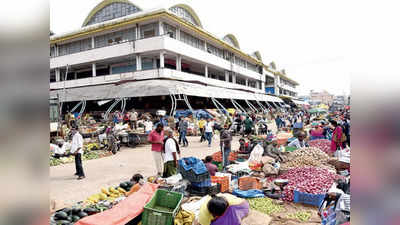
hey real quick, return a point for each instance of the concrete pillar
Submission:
(154, 63)
(138, 62)
(178, 33)
(75, 76)
(205, 46)
(234, 78)
(263, 86)
(245, 64)
(247, 82)
(93, 42)
(162, 59)
(137, 31)
(206, 70)
(58, 77)
(56, 53)
(161, 27)
(94, 69)
(226, 76)
(179, 62)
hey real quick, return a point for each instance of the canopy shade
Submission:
(147, 88)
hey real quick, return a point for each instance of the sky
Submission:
(306, 38)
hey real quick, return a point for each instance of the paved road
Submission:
(110, 171)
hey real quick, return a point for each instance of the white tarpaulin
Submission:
(299, 102)
(155, 88)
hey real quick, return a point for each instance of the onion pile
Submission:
(307, 157)
(323, 144)
(310, 180)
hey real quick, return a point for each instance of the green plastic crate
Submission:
(290, 149)
(162, 208)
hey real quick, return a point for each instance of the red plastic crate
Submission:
(223, 181)
(247, 183)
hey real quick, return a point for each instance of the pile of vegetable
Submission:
(310, 180)
(322, 144)
(217, 157)
(265, 205)
(303, 216)
(68, 216)
(184, 218)
(110, 194)
(87, 155)
(304, 157)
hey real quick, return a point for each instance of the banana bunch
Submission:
(184, 218)
(109, 194)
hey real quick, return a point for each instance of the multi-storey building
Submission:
(122, 50)
(278, 83)
(321, 97)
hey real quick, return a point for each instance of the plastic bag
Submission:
(252, 193)
(257, 154)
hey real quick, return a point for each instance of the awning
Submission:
(300, 102)
(148, 88)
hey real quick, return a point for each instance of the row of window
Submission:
(115, 37)
(112, 11)
(191, 40)
(184, 14)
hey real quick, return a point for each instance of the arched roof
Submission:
(190, 11)
(231, 39)
(257, 54)
(102, 5)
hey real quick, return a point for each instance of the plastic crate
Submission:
(162, 208)
(206, 183)
(247, 183)
(191, 176)
(181, 188)
(203, 191)
(306, 198)
(223, 181)
(290, 149)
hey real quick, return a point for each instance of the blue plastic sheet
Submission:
(197, 113)
(252, 193)
(193, 163)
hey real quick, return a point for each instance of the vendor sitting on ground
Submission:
(300, 141)
(212, 169)
(137, 181)
(223, 209)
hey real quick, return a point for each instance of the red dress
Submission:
(338, 132)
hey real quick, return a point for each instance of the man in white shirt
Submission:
(208, 131)
(170, 149)
(133, 117)
(148, 126)
(77, 150)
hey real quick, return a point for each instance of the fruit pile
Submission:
(110, 194)
(310, 180)
(302, 216)
(184, 218)
(322, 144)
(69, 216)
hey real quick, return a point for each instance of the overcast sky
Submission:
(303, 37)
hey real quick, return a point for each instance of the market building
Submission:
(322, 97)
(122, 48)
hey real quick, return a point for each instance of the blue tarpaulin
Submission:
(197, 113)
(252, 193)
(193, 163)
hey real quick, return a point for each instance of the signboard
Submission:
(270, 90)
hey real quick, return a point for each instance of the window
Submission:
(184, 14)
(112, 11)
(170, 30)
(52, 76)
(240, 62)
(149, 30)
(252, 67)
(215, 51)
(115, 37)
(76, 46)
(147, 63)
(52, 51)
(123, 68)
(240, 81)
(191, 40)
(252, 83)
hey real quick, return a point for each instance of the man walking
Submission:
(202, 123)
(156, 138)
(183, 126)
(225, 142)
(77, 151)
(133, 119)
(208, 131)
(248, 126)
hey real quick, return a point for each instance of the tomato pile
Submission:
(217, 157)
(310, 180)
(323, 144)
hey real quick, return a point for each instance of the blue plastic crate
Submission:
(206, 183)
(310, 199)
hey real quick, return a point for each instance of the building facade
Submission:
(322, 97)
(119, 41)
